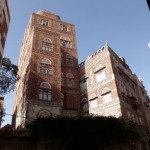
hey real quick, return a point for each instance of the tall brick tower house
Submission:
(4, 24)
(48, 70)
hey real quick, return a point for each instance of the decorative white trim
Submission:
(106, 105)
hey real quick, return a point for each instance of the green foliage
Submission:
(8, 73)
(105, 130)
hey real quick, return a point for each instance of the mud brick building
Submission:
(48, 82)
(4, 24)
(109, 88)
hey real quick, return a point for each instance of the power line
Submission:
(17, 116)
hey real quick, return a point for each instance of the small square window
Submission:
(63, 27)
(44, 22)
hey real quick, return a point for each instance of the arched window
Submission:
(47, 45)
(93, 100)
(99, 67)
(44, 114)
(100, 73)
(45, 92)
(46, 61)
(46, 66)
(70, 80)
(69, 60)
(106, 94)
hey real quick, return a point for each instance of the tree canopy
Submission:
(106, 130)
(8, 76)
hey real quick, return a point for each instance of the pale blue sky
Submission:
(124, 24)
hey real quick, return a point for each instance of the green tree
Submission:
(8, 76)
(109, 132)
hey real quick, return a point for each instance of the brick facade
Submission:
(48, 69)
(50, 81)
(4, 24)
(109, 88)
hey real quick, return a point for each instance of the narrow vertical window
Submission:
(70, 80)
(106, 94)
(83, 83)
(100, 73)
(45, 92)
(93, 100)
(46, 67)
(69, 60)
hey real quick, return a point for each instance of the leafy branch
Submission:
(8, 76)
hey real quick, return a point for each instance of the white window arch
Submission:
(46, 61)
(45, 85)
(47, 40)
(93, 95)
(105, 90)
(106, 94)
(99, 67)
